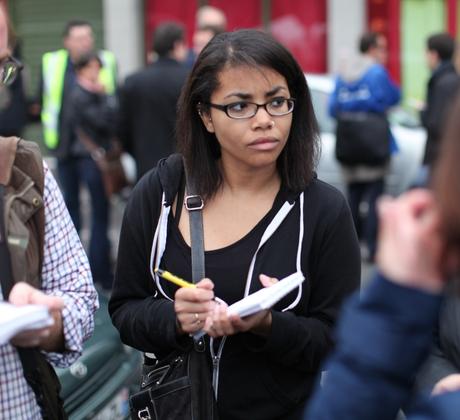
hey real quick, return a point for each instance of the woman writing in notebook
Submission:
(249, 138)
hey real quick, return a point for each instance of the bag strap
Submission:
(91, 146)
(194, 204)
(35, 372)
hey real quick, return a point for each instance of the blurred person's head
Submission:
(446, 181)
(439, 47)
(209, 16)
(78, 38)
(203, 35)
(4, 31)
(169, 41)
(9, 67)
(374, 45)
(88, 66)
(248, 52)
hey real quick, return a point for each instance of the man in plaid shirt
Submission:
(67, 290)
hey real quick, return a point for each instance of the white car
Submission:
(409, 135)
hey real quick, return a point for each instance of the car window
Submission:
(320, 102)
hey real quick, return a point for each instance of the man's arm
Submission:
(66, 275)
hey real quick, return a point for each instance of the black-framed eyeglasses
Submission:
(9, 70)
(276, 107)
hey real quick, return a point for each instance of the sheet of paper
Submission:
(265, 298)
(14, 319)
(262, 299)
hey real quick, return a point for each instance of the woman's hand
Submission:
(410, 246)
(220, 324)
(450, 383)
(193, 305)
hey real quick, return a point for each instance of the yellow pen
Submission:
(173, 279)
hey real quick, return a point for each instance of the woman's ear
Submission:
(206, 118)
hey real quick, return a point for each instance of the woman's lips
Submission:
(266, 143)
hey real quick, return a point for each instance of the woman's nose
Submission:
(263, 119)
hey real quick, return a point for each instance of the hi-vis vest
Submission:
(53, 70)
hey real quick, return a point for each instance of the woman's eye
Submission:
(278, 102)
(237, 107)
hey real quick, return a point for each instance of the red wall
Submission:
(299, 25)
(384, 17)
(240, 13)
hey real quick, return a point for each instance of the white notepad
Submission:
(265, 298)
(14, 319)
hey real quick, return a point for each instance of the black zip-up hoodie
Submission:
(258, 378)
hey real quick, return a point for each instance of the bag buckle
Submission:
(193, 202)
(144, 414)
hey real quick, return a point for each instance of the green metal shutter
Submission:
(39, 25)
(419, 19)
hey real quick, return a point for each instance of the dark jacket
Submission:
(444, 357)
(93, 115)
(382, 340)
(13, 108)
(148, 103)
(442, 87)
(269, 378)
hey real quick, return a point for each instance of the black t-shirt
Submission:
(227, 267)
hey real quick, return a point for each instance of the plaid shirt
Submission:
(65, 273)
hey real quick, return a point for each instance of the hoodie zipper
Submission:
(216, 362)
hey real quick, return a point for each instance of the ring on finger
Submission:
(197, 319)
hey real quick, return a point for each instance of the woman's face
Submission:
(257, 141)
(91, 71)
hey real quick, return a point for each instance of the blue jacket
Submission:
(382, 341)
(372, 92)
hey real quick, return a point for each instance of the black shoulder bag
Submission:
(179, 387)
(39, 374)
(362, 138)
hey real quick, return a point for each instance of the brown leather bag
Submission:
(108, 162)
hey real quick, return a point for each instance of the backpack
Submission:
(21, 173)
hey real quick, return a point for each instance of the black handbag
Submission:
(362, 138)
(179, 387)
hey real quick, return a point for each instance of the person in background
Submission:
(441, 89)
(58, 80)
(13, 103)
(443, 365)
(66, 287)
(248, 135)
(365, 86)
(148, 100)
(93, 119)
(384, 338)
(209, 22)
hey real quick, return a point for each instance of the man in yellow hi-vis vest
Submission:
(59, 81)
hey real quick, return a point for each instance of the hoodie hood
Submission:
(170, 171)
(354, 68)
